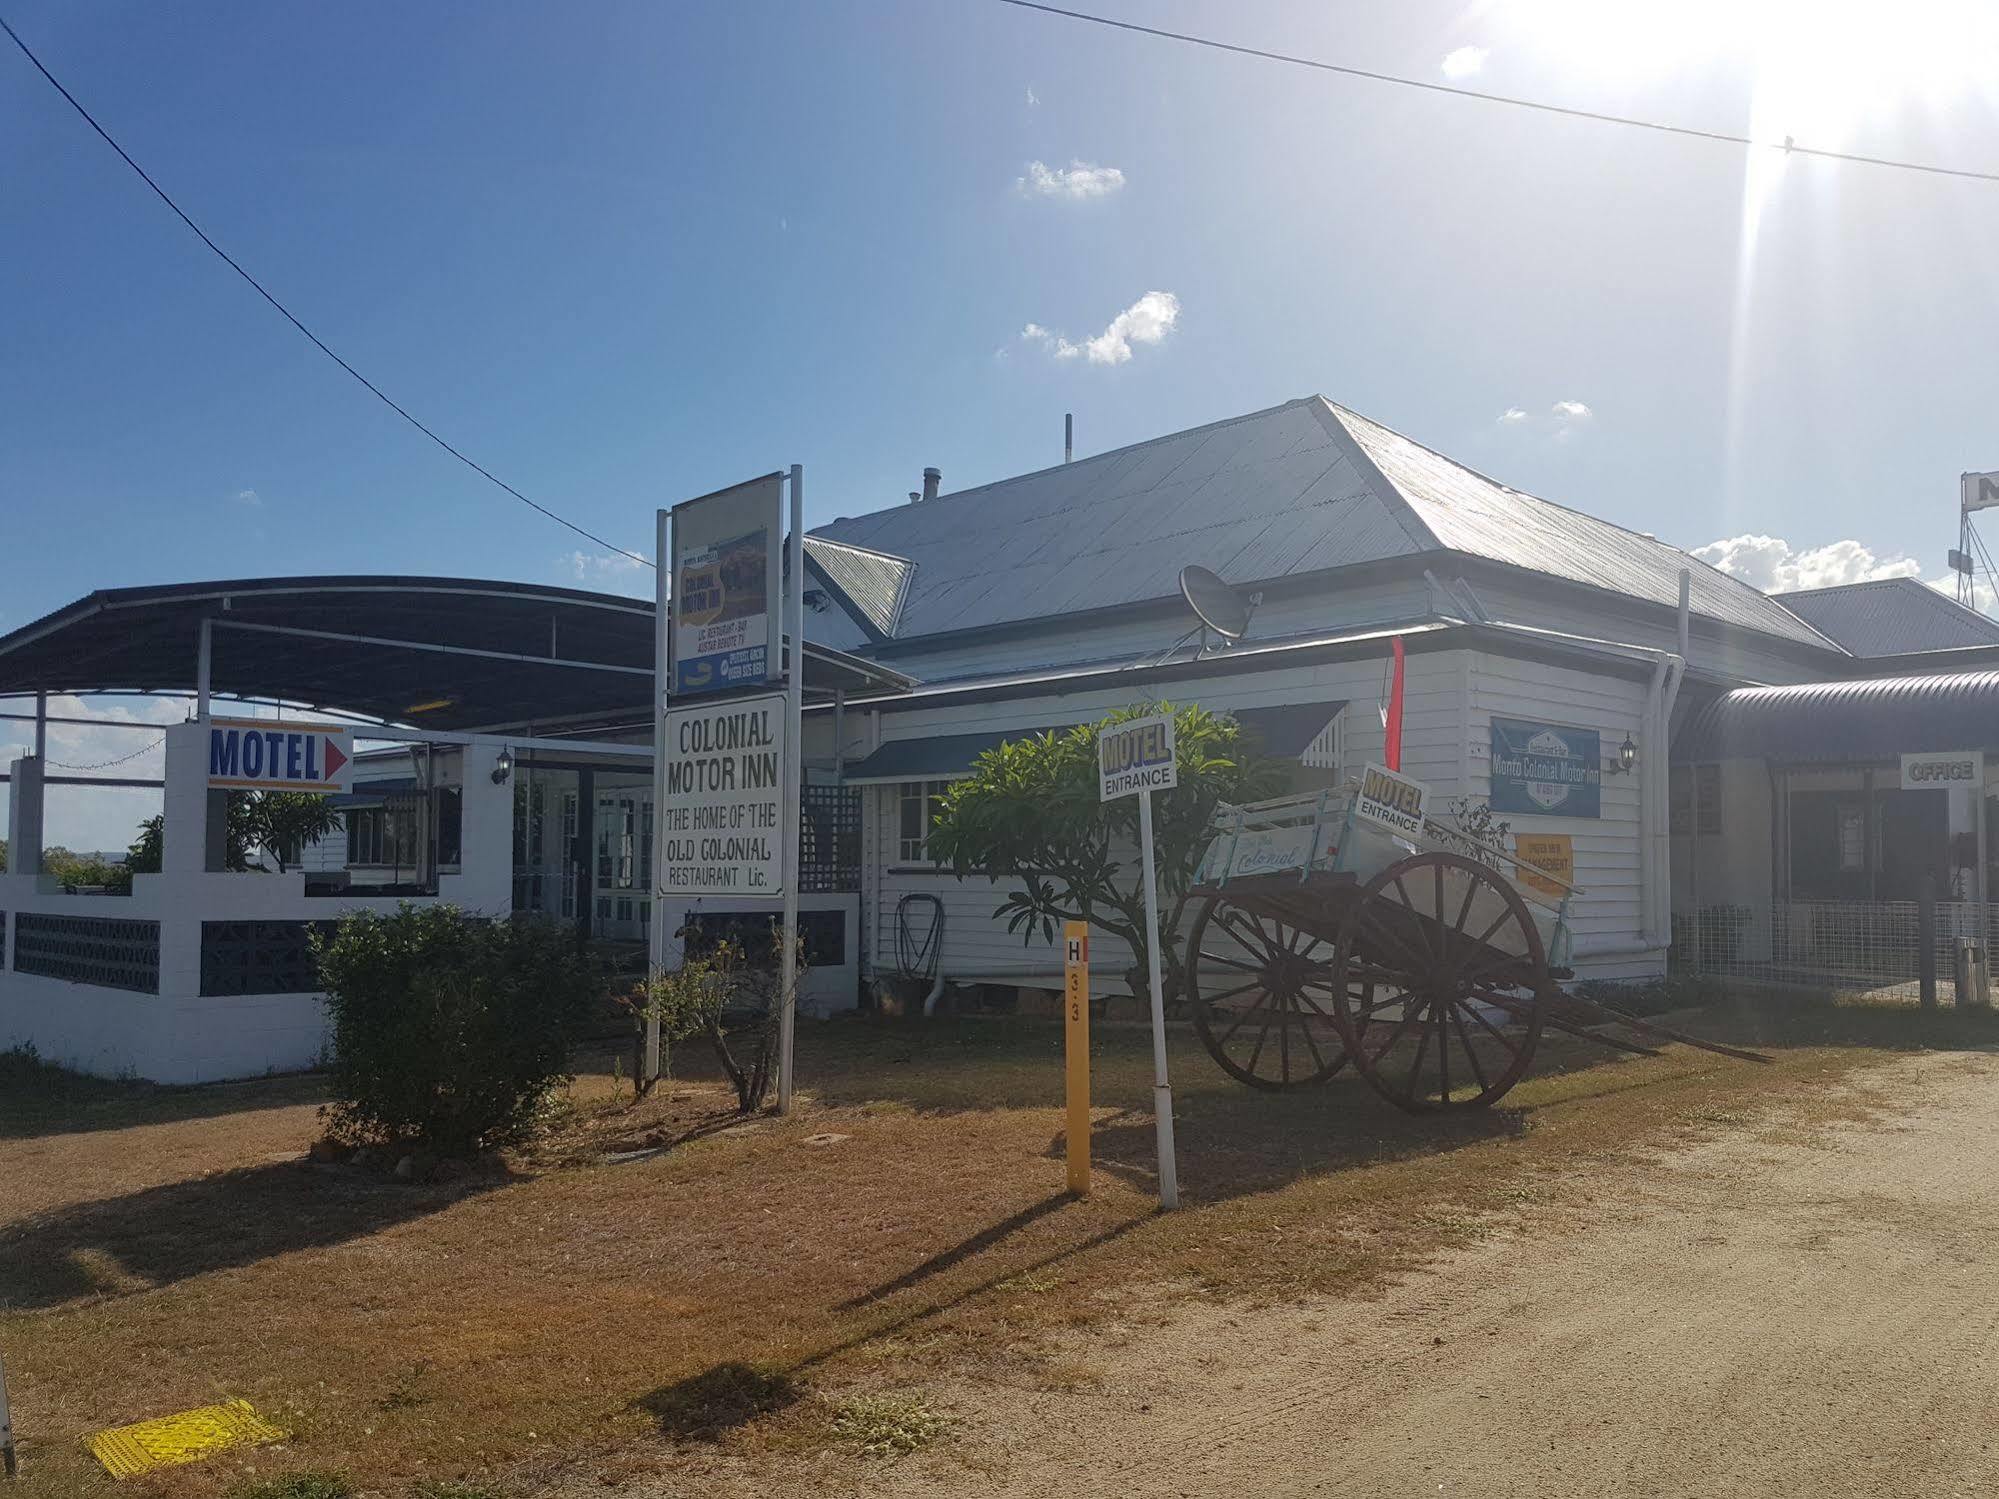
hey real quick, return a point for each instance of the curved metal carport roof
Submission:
(1877, 719)
(442, 653)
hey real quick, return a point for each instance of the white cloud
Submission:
(1146, 321)
(1571, 411)
(1077, 181)
(1984, 597)
(247, 497)
(1512, 416)
(1464, 62)
(608, 570)
(1773, 565)
(1032, 97)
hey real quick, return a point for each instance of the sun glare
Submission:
(1820, 70)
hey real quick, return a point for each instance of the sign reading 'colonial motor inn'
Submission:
(1546, 771)
(724, 807)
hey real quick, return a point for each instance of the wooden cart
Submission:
(1426, 959)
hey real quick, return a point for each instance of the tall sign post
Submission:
(726, 750)
(1137, 758)
(794, 768)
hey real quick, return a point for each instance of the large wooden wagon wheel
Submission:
(1437, 981)
(1260, 991)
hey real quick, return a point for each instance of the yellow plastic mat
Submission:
(186, 1437)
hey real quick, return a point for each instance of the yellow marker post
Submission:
(1076, 1042)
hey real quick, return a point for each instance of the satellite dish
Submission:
(1214, 603)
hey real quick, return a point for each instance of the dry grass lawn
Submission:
(162, 1249)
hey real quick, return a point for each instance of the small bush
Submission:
(448, 1031)
(306, 1483)
(889, 1425)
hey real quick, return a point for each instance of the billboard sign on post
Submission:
(721, 825)
(727, 580)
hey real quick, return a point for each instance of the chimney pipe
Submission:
(915, 498)
(931, 479)
(1068, 435)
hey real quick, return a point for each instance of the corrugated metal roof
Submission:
(1467, 512)
(873, 582)
(1890, 616)
(1299, 488)
(1878, 719)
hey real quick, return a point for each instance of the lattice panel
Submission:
(829, 839)
(259, 957)
(109, 952)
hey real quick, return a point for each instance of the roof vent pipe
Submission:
(1068, 435)
(915, 498)
(931, 479)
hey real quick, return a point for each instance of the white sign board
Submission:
(257, 754)
(1137, 756)
(1391, 800)
(727, 579)
(1981, 491)
(722, 816)
(1943, 768)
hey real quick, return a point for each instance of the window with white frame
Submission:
(1319, 762)
(916, 807)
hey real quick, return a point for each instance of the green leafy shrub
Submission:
(448, 1031)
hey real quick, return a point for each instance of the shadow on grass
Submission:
(716, 1401)
(37, 1099)
(121, 1246)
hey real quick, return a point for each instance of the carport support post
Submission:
(1926, 940)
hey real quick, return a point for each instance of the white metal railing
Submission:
(1833, 943)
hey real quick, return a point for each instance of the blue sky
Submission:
(625, 254)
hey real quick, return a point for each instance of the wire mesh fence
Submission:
(1870, 947)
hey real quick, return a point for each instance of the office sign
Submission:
(255, 754)
(1544, 770)
(1389, 799)
(1935, 769)
(727, 580)
(1137, 756)
(1550, 859)
(722, 817)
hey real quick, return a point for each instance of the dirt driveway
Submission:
(1771, 1312)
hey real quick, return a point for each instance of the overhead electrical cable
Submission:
(317, 342)
(1788, 146)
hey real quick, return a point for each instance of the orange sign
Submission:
(1553, 854)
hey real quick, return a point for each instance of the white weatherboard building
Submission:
(1721, 767)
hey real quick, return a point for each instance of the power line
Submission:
(1788, 146)
(319, 343)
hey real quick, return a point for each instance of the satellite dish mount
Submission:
(1217, 606)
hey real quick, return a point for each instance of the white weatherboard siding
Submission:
(1607, 847)
(1326, 610)
(1451, 698)
(1737, 657)
(977, 945)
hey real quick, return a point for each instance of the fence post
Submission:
(1926, 940)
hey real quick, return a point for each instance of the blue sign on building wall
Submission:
(1546, 771)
